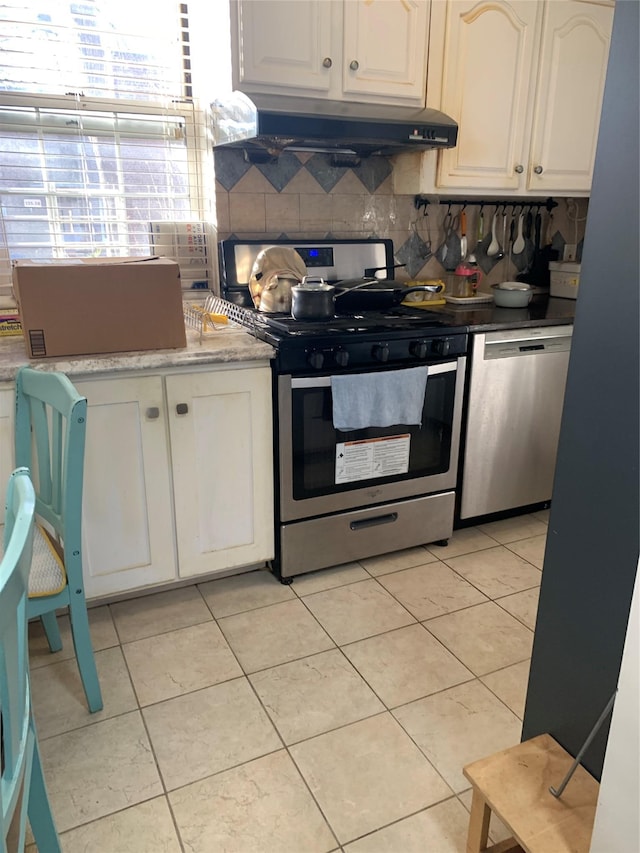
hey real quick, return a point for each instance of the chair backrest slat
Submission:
(57, 461)
(40, 437)
(50, 404)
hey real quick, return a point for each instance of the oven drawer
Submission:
(328, 541)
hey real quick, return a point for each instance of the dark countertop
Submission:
(541, 311)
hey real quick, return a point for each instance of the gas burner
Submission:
(374, 321)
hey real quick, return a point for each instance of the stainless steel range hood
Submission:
(269, 124)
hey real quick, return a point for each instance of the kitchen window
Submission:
(103, 142)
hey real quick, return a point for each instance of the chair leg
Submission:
(84, 653)
(478, 824)
(39, 808)
(50, 624)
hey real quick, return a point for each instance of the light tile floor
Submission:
(334, 714)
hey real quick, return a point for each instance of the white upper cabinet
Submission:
(488, 82)
(278, 43)
(358, 50)
(571, 75)
(385, 49)
(524, 80)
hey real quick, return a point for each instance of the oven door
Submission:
(323, 470)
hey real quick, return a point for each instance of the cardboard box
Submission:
(99, 305)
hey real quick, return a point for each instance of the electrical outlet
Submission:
(569, 252)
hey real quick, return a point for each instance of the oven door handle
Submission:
(325, 381)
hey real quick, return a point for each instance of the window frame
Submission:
(197, 145)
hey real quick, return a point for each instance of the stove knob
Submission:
(419, 348)
(342, 357)
(380, 352)
(316, 359)
(442, 346)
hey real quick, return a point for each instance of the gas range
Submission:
(347, 494)
(397, 337)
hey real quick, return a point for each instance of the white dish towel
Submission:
(381, 399)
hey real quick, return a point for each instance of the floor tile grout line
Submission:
(475, 586)
(291, 758)
(518, 618)
(355, 722)
(245, 673)
(126, 808)
(120, 644)
(149, 739)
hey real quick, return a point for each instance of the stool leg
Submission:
(478, 824)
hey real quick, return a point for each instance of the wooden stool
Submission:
(515, 784)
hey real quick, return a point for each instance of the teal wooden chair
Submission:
(49, 441)
(22, 787)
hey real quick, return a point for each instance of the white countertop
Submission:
(231, 344)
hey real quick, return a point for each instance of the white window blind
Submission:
(103, 150)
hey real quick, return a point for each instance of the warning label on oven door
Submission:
(372, 458)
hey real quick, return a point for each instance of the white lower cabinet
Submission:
(178, 476)
(222, 462)
(127, 518)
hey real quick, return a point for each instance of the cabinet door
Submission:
(222, 451)
(7, 418)
(285, 44)
(385, 48)
(488, 87)
(573, 66)
(127, 518)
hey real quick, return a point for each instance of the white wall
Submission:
(617, 826)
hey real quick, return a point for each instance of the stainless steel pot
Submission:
(312, 300)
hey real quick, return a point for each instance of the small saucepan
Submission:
(313, 299)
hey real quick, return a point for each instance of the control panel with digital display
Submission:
(316, 256)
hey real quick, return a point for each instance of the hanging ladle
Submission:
(518, 245)
(494, 246)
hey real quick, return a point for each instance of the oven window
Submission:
(315, 439)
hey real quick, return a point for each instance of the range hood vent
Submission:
(268, 124)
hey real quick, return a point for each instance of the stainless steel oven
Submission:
(348, 495)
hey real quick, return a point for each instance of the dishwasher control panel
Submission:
(523, 342)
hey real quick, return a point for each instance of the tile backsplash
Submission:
(303, 195)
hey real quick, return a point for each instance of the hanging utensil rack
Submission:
(422, 201)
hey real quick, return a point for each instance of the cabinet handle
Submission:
(354, 65)
(538, 170)
(327, 62)
(182, 409)
(153, 412)
(519, 169)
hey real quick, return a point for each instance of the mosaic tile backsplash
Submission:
(303, 195)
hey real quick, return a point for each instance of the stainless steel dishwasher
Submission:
(515, 399)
